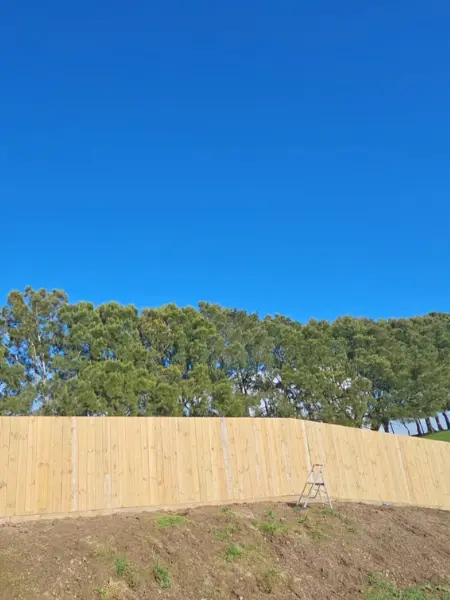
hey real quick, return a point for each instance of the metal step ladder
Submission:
(317, 486)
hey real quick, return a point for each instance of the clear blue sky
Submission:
(289, 157)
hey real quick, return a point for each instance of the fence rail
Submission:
(65, 465)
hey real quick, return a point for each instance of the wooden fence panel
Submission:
(75, 465)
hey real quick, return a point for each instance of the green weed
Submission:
(171, 521)
(125, 570)
(329, 512)
(162, 577)
(233, 552)
(221, 535)
(122, 565)
(271, 527)
(381, 589)
(101, 593)
(270, 514)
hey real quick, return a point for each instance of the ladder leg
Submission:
(320, 484)
(301, 495)
(326, 493)
(304, 488)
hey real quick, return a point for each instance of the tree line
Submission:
(58, 358)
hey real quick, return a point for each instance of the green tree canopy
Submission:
(80, 359)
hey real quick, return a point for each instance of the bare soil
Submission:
(241, 552)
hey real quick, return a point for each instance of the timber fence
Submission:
(78, 465)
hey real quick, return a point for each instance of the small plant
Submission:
(226, 510)
(233, 552)
(270, 514)
(301, 520)
(125, 570)
(162, 577)
(328, 512)
(171, 521)
(381, 589)
(221, 535)
(122, 565)
(233, 528)
(271, 527)
(101, 593)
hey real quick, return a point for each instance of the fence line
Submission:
(70, 465)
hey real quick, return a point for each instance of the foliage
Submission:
(58, 358)
(233, 552)
(122, 565)
(443, 436)
(272, 527)
(171, 521)
(221, 535)
(381, 589)
(162, 577)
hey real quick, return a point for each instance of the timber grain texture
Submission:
(64, 466)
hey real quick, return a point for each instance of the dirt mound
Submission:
(239, 552)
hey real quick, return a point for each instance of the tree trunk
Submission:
(447, 420)
(429, 425)
(438, 423)
(392, 428)
(386, 427)
(419, 427)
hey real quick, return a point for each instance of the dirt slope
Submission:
(241, 552)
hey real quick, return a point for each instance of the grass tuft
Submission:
(171, 521)
(122, 565)
(271, 528)
(125, 570)
(329, 512)
(162, 577)
(221, 535)
(233, 552)
(381, 589)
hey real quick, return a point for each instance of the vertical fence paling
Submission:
(63, 465)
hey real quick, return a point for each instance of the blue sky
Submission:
(288, 157)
